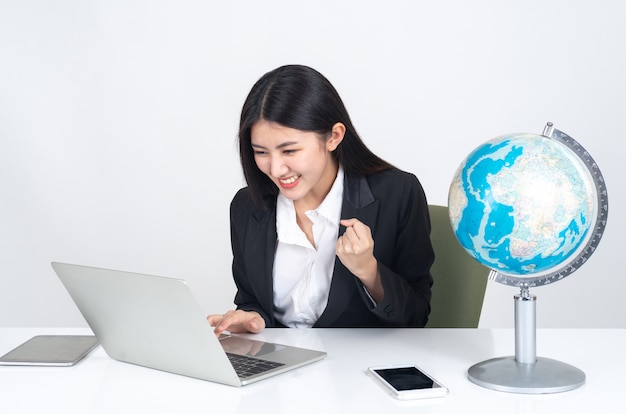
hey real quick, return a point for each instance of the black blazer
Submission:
(393, 204)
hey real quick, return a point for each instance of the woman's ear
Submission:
(337, 133)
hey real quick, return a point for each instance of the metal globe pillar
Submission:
(526, 373)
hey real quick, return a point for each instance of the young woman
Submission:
(326, 234)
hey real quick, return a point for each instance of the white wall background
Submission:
(118, 122)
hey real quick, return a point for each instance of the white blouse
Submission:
(302, 272)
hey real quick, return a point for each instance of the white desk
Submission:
(337, 384)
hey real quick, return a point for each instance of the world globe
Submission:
(533, 209)
(530, 207)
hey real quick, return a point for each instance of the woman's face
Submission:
(300, 163)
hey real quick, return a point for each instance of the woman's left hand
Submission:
(355, 249)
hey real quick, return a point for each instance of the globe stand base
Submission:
(526, 373)
(544, 376)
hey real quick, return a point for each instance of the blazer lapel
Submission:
(360, 203)
(260, 249)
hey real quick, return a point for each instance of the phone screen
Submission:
(406, 378)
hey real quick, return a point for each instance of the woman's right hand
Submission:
(237, 321)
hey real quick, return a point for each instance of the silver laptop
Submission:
(155, 322)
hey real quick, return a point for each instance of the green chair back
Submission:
(459, 281)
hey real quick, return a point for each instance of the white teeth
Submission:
(290, 180)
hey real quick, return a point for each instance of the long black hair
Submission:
(299, 97)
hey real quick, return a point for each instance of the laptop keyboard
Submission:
(246, 366)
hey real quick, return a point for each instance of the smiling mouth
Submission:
(289, 182)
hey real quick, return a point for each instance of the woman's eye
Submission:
(257, 152)
(289, 152)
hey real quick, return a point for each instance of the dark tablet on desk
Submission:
(51, 350)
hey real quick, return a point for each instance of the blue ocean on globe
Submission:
(522, 204)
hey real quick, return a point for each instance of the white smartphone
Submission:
(51, 350)
(407, 382)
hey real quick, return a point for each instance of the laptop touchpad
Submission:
(244, 346)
